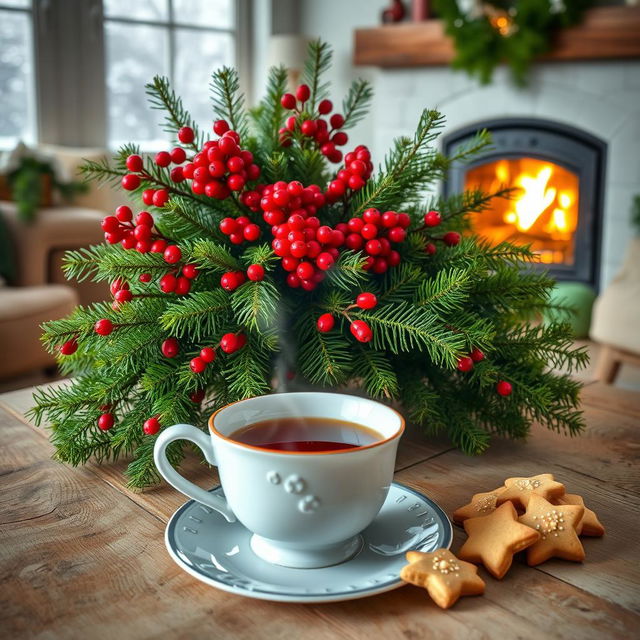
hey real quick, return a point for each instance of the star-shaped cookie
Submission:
(556, 525)
(518, 490)
(444, 576)
(589, 525)
(494, 539)
(482, 504)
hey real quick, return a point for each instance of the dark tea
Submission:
(306, 434)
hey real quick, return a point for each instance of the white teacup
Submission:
(305, 509)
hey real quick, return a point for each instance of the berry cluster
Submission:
(374, 232)
(325, 134)
(221, 166)
(120, 291)
(354, 175)
(465, 363)
(135, 234)
(360, 330)
(229, 343)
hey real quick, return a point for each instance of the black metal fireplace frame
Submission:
(567, 146)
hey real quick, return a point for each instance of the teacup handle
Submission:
(202, 440)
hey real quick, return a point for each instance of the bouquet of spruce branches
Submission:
(271, 253)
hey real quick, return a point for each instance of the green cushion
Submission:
(577, 295)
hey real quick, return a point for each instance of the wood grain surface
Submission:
(81, 556)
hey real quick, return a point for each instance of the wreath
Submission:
(489, 32)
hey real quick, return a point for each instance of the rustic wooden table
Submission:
(83, 557)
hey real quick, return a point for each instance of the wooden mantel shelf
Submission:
(605, 33)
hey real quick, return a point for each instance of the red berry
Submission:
(183, 286)
(197, 396)
(355, 182)
(143, 246)
(168, 283)
(172, 254)
(288, 101)
(177, 174)
(325, 322)
(366, 300)
(190, 271)
(465, 364)
(158, 246)
(145, 277)
(229, 342)
(477, 355)
(380, 265)
(134, 163)
(123, 296)
(151, 426)
(504, 388)
(432, 219)
(142, 232)
(289, 263)
(145, 219)
(337, 187)
(369, 231)
(124, 213)
(170, 348)
(160, 198)
(197, 365)
(228, 226)
(337, 238)
(355, 225)
(235, 182)
(178, 156)
(220, 127)
(295, 188)
(251, 232)
(208, 354)
(305, 271)
(324, 234)
(451, 238)
(186, 135)
(325, 107)
(298, 249)
(293, 281)
(361, 331)
(308, 128)
(397, 234)
(128, 242)
(303, 93)
(255, 272)
(354, 241)
(373, 247)
(105, 421)
(147, 196)
(372, 216)
(235, 164)
(103, 327)
(340, 138)
(336, 120)
(69, 347)
(163, 159)
(110, 224)
(325, 261)
(390, 219)
(404, 220)
(430, 248)
(228, 146)
(393, 259)
(229, 281)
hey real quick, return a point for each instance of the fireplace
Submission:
(558, 172)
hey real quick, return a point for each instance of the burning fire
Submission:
(544, 211)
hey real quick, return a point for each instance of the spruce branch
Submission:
(374, 369)
(256, 305)
(163, 98)
(357, 102)
(348, 272)
(270, 113)
(197, 316)
(207, 254)
(318, 61)
(228, 100)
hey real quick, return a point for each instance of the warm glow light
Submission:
(543, 212)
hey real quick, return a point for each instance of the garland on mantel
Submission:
(487, 33)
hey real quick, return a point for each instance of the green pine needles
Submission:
(245, 279)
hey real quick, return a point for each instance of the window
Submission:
(17, 104)
(182, 39)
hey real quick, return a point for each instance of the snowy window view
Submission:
(17, 117)
(182, 39)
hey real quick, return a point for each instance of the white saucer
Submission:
(218, 553)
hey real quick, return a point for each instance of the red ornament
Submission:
(172, 254)
(465, 364)
(69, 347)
(325, 322)
(504, 388)
(366, 300)
(361, 331)
(103, 327)
(186, 135)
(477, 355)
(151, 426)
(198, 365)
(105, 421)
(255, 272)
(170, 348)
(451, 238)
